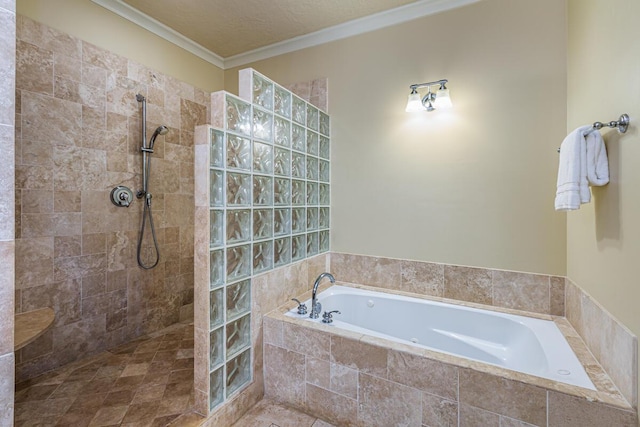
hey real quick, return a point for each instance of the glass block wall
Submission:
(269, 186)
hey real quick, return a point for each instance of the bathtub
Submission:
(524, 344)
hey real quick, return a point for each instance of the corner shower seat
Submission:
(30, 325)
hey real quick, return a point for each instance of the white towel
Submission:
(583, 162)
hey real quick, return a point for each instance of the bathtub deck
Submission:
(352, 379)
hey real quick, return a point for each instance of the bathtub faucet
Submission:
(316, 307)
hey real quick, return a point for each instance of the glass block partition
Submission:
(268, 187)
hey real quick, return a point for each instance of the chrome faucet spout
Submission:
(315, 305)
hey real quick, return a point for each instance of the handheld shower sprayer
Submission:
(144, 192)
(160, 130)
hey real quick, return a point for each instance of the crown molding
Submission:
(158, 28)
(366, 24)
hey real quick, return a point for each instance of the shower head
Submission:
(160, 130)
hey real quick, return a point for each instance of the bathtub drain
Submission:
(414, 340)
(564, 372)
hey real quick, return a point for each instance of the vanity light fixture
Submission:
(439, 100)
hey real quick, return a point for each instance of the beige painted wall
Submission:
(603, 238)
(95, 24)
(473, 187)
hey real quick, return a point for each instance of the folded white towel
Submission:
(597, 161)
(583, 161)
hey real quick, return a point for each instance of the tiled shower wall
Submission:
(78, 136)
(7, 235)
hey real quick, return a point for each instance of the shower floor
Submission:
(147, 382)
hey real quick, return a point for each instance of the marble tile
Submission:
(66, 246)
(318, 372)
(34, 68)
(66, 201)
(366, 270)
(569, 411)
(191, 115)
(36, 153)
(283, 371)
(273, 331)
(351, 353)
(330, 406)
(315, 267)
(424, 374)
(67, 68)
(557, 296)
(620, 357)
(503, 396)
(8, 67)
(299, 278)
(9, 5)
(471, 417)
(34, 177)
(521, 291)
(344, 381)
(7, 295)
(423, 278)
(34, 262)
(384, 403)
(50, 119)
(48, 38)
(437, 411)
(306, 341)
(63, 297)
(510, 422)
(468, 284)
(6, 389)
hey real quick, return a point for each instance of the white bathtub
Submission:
(524, 344)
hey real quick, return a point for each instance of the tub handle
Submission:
(302, 308)
(327, 316)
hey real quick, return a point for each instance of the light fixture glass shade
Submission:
(414, 103)
(443, 100)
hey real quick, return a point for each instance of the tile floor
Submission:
(147, 382)
(144, 383)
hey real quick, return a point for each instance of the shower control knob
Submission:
(121, 196)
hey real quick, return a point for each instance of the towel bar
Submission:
(622, 124)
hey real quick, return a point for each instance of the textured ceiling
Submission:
(231, 27)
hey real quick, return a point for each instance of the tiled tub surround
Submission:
(352, 379)
(78, 136)
(262, 202)
(524, 344)
(535, 293)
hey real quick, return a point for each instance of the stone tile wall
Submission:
(78, 136)
(610, 342)
(537, 293)
(7, 207)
